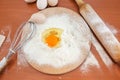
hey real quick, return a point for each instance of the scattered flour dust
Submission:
(2, 38)
(6, 31)
(102, 53)
(90, 61)
(112, 28)
(21, 60)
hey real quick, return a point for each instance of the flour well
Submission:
(73, 39)
(6, 29)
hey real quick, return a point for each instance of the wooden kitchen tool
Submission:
(105, 36)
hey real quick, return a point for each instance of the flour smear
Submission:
(91, 61)
(102, 53)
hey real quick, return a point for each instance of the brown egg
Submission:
(29, 1)
(52, 2)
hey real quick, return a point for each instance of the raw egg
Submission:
(52, 37)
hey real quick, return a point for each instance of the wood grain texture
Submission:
(14, 12)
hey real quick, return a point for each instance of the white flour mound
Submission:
(72, 40)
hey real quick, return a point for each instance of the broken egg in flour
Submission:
(60, 44)
(52, 37)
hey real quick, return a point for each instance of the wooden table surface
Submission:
(15, 12)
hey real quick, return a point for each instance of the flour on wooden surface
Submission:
(91, 61)
(102, 53)
(21, 61)
(73, 39)
(112, 28)
(7, 32)
(107, 36)
(2, 38)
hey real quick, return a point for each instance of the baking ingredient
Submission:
(112, 28)
(102, 53)
(91, 61)
(52, 37)
(29, 1)
(2, 38)
(41, 4)
(52, 2)
(6, 29)
(73, 40)
(21, 60)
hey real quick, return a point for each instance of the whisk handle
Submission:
(3, 63)
(5, 60)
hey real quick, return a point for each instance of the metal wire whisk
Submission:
(24, 33)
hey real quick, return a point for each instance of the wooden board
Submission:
(84, 49)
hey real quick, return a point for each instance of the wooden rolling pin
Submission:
(105, 36)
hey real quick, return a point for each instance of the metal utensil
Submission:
(24, 33)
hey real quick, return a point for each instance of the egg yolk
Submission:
(52, 40)
(52, 37)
